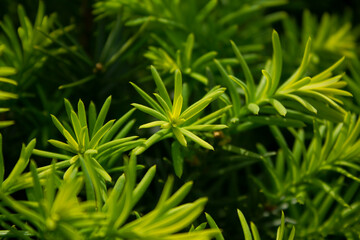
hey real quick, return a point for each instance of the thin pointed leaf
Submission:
(36, 183)
(92, 115)
(205, 127)
(231, 87)
(179, 219)
(213, 225)
(7, 71)
(244, 225)
(166, 192)
(62, 145)
(196, 139)
(82, 113)
(324, 74)
(143, 184)
(150, 111)
(212, 117)
(278, 106)
(100, 133)
(178, 86)
(280, 233)
(303, 102)
(21, 164)
(178, 196)
(254, 231)
(152, 124)
(292, 234)
(304, 63)
(92, 182)
(77, 83)
(102, 115)
(150, 141)
(179, 136)
(148, 99)
(269, 82)
(100, 170)
(50, 186)
(115, 128)
(248, 76)
(203, 59)
(199, 77)
(177, 107)
(4, 124)
(40, 14)
(243, 86)
(164, 105)
(7, 80)
(206, 10)
(64, 132)
(177, 159)
(188, 50)
(76, 125)
(276, 68)
(195, 108)
(295, 86)
(160, 85)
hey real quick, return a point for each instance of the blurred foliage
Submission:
(245, 116)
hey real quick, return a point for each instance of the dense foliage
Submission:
(168, 119)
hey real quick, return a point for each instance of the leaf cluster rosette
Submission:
(175, 121)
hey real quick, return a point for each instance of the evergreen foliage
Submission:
(209, 118)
